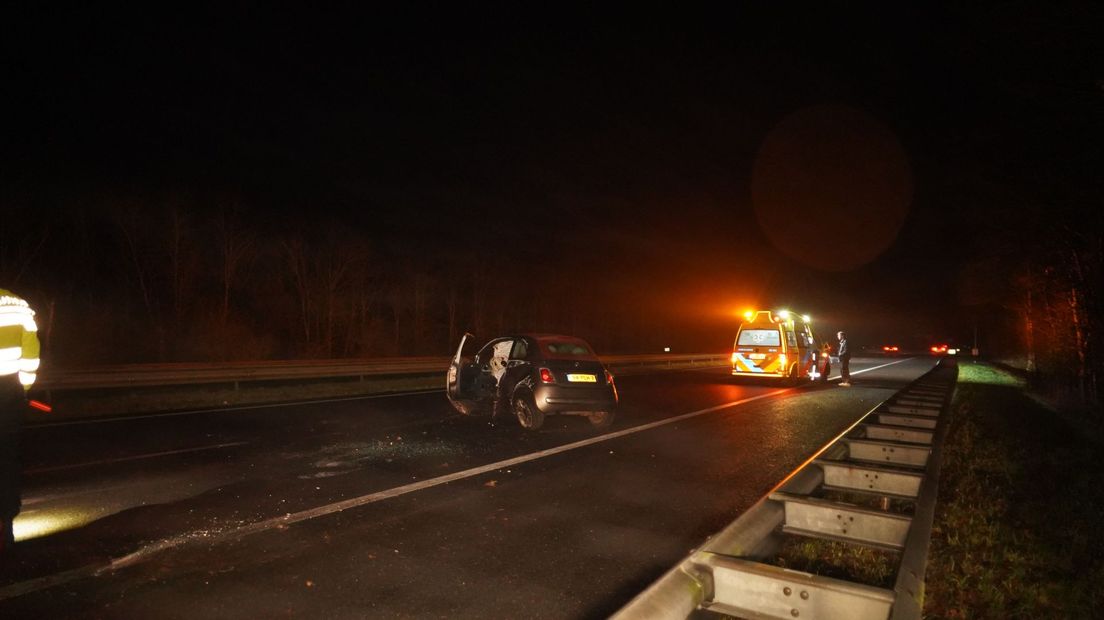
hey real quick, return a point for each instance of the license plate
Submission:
(758, 356)
(577, 378)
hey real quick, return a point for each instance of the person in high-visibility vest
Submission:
(19, 350)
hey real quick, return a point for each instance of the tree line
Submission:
(1037, 293)
(169, 279)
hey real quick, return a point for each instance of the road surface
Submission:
(397, 507)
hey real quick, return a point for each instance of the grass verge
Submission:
(1019, 525)
(839, 560)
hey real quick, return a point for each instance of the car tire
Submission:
(529, 417)
(601, 419)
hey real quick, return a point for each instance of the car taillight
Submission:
(825, 354)
(546, 376)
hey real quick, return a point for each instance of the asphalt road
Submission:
(396, 507)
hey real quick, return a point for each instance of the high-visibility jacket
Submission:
(19, 347)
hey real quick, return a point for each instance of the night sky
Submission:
(850, 164)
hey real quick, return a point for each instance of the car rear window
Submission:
(566, 349)
(759, 338)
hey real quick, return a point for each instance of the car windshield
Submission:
(562, 348)
(759, 338)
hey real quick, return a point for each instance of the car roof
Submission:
(543, 337)
(546, 336)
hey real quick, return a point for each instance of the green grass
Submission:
(1019, 528)
(839, 560)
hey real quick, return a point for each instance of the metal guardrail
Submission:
(149, 375)
(892, 454)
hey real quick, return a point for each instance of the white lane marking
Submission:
(859, 372)
(138, 457)
(172, 414)
(144, 553)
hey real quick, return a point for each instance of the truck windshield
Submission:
(759, 338)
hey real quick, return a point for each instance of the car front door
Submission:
(463, 381)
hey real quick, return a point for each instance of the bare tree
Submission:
(452, 308)
(20, 247)
(319, 274)
(133, 222)
(236, 247)
(297, 262)
(178, 228)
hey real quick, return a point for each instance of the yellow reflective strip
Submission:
(9, 367)
(27, 378)
(30, 345)
(11, 353)
(29, 364)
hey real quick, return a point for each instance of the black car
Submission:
(531, 376)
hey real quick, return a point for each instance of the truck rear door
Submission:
(757, 350)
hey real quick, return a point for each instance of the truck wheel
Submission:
(601, 419)
(527, 413)
(793, 378)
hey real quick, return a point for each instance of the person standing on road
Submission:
(19, 350)
(844, 355)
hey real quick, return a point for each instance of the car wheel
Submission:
(601, 419)
(527, 413)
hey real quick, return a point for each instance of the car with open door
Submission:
(532, 376)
